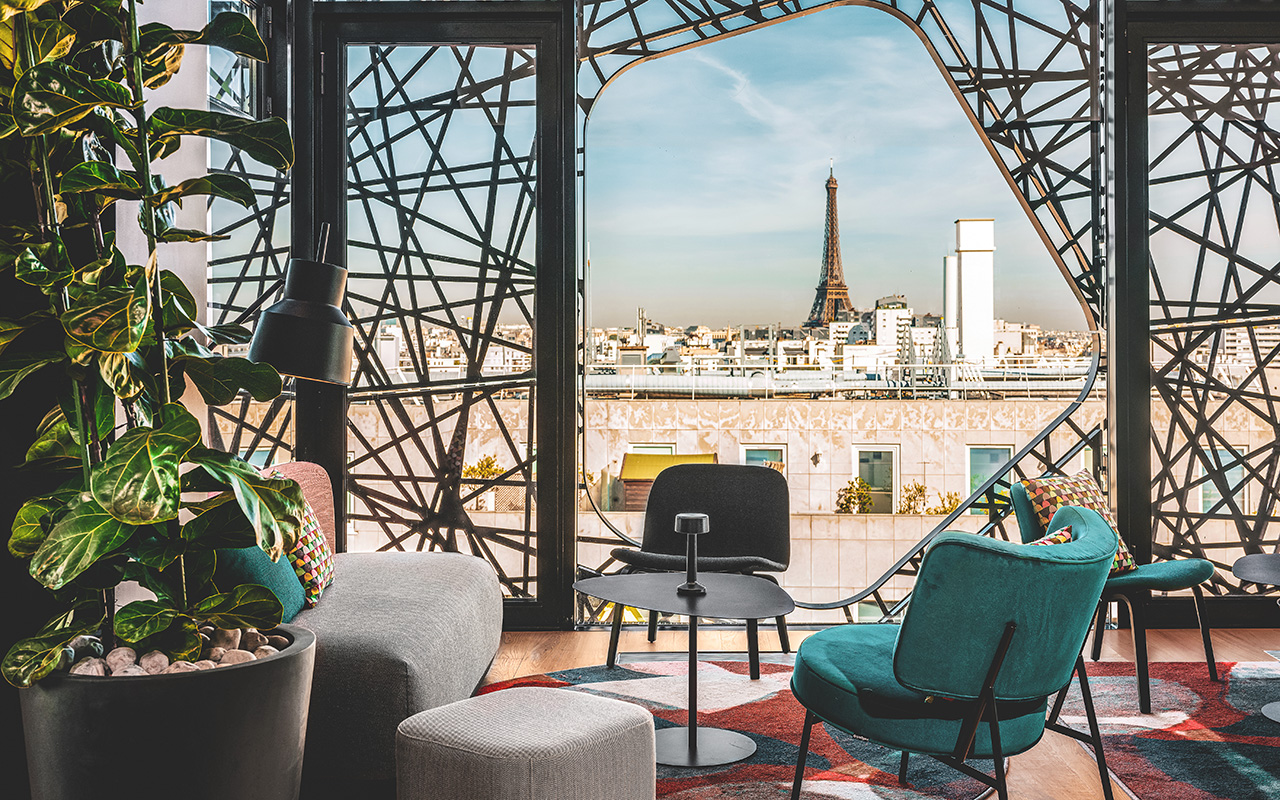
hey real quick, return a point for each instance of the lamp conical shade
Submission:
(306, 335)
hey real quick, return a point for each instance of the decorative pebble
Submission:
(252, 640)
(264, 651)
(180, 666)
(215, 654)
(154, 662)
(228, 640)
(120, 658)
(205, 664)
(132, 669)
(278, 642)
(89, 666)
(236, 657)
(86, 646)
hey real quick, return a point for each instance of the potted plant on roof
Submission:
(131, 492)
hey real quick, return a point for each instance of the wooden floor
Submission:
(1055, 769)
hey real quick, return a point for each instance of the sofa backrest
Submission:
(317, 489)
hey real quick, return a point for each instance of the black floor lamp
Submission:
(306, 335)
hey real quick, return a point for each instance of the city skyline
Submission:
(705, 177)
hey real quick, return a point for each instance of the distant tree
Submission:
(914, 498)
(486, 467)
(946, 503)
(854, 498)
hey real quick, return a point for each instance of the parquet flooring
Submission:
(1055, 769)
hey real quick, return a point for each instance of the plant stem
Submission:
(148, 215)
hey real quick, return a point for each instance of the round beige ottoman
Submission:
(527, 744)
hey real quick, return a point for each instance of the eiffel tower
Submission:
(833, 295)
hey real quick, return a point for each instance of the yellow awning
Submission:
(646, 466)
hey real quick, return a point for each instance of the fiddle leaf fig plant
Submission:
(133, 492)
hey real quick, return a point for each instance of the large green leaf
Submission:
(179, 305)
(31, 525)
(227, 186)
(45, 266)
(50, 39)
(220, 524)
(138, 481)
(247, 606)
(10, 328)
(159, 552)
(267, 140)
(101, 177)
(53, 95)
(84, 535)
(112, 319)
(227, 334)
(180, 641)
(9, 8)
(143, 618)
(13, 370)
(31, 659)
(221, 379)
(125, 373)
(228, 30)
(272, 506)
(53, 439)
(170, 235)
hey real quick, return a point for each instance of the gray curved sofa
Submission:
(396, 633)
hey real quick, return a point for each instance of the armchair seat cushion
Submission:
(673, 563)
(845, 676)
(1162, 576)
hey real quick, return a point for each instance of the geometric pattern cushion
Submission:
(1060, 536)
(311, 557)
(1047, 495)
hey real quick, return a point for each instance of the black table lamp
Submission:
(305, 334)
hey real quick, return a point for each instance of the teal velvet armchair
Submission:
(1134, 589)
(992, 631)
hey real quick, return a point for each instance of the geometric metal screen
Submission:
(441, 183)
(1214, 148)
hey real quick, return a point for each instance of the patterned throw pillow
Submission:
(1047, 495)
(1057, 537)
(311, 557)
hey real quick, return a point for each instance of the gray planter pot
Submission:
(234, 731)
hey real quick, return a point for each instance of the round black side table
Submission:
(1263, 568)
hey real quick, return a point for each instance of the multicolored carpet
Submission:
(1204, 741)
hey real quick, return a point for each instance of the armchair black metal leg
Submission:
(1138, 623)
(1204, 634)
(1094, 732)
(783, 639)
(902, 768)
(753, 647)
(997, 755)
(653, 626)
(1099, 625)
(803, 755)
(614, 633)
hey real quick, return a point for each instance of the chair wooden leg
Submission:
(753, 648)
(1099, 625)
(803, 755)
(1094, 732)
(614, 633)
(902, 768)
(1138, 624)
(653, 626)
(783, 639)
(1204, 634)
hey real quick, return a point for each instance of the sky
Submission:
(705, 173)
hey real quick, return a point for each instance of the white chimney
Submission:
(975, 254)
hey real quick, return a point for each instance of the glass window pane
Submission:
(875, 467)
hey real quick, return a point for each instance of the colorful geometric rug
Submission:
(1204, 741)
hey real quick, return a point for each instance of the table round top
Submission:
(729, 595)
(1261, 568)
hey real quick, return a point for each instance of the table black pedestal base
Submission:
(715, 746)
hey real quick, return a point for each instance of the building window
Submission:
(984, 462)
(1233, 475)
(765, 455)
(655, 448)
(876, 469)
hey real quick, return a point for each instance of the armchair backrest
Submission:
(749, 510)
(969, 587)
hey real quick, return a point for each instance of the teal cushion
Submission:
(250, 565)
(1162, 576)
(845, 676)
